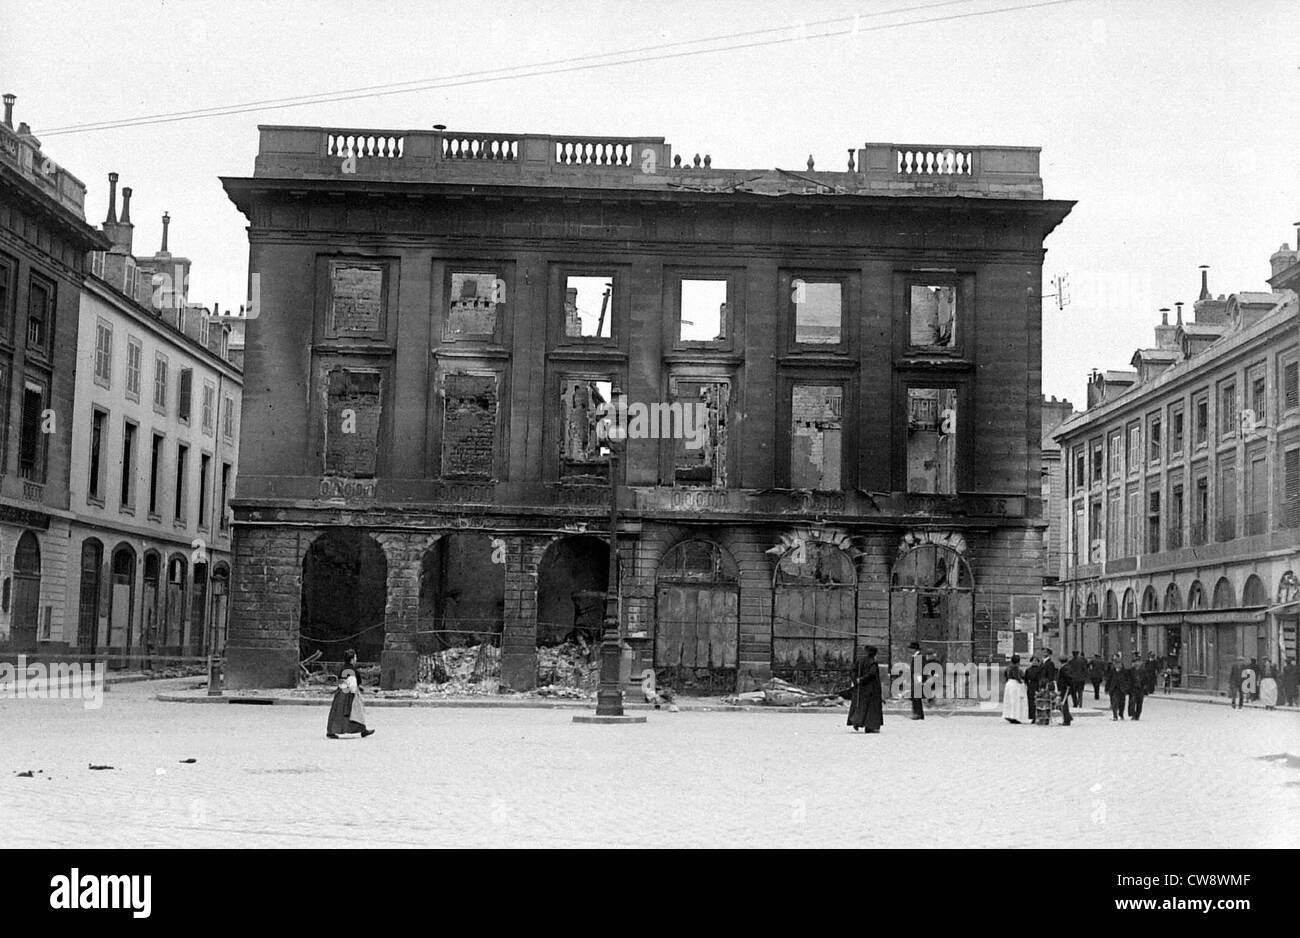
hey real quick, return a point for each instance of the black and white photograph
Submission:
(733, 424)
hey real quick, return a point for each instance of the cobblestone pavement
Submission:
(1185, 776)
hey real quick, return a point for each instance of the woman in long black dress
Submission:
(866, 710)
(348, 712)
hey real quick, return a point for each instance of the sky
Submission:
(1173, 123)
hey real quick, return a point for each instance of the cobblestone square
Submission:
(1187, 775)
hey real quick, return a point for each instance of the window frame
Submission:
(674, 277)
(134, 344)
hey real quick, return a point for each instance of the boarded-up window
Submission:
(818, 312)
(816, 436)
(353, 413)
(932, 441)
(708, 402)
(933, 313)
(582, 404)
(469, 426)
(589, 307)
(356, 299)
(476, 301)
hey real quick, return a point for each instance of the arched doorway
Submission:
(122, 599)
(174, 616)
(572, 579)
(220, 607)
(931, 597)
(344, 592)
(462, 592)
(92, 560)
(199, 610)
(149, 622)
(697, 618)
(814, 615)
(27, 592)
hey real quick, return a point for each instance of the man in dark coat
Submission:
(1117, 677)
(1137, 687)
(1077, 669)
(918, 679)
(1096, 674)
(1150, 673)
(1236, 681)
(1066, 687)
(1049, 666)
(866, 710)
(1290, 683)
(1033, 675)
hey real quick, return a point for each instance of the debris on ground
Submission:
(559, 690)
(188, 761)
(27, 774)
(778, 693)
(101, 768)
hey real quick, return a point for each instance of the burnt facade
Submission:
(830, 381)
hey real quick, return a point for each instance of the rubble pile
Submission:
(567, 665)
(470, 671)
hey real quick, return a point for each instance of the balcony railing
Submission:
(1174, 537)
(627, 162)
(1200, 535)
(1225, 529)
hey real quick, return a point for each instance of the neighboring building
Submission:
(441, 317)
(155, 450)
(1053, 482)
(1183, 502)
(43, 243)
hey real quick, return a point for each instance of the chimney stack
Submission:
(166, 220)
(126, 205)
(112, 200)
(1164, 315)
(1205, 284)
(1179, 304)
(9, 110)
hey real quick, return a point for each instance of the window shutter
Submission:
(1291, 385)
(1293, 488)
(187, 389)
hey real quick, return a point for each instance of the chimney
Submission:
(1164, 315)
(1205, 284)
(112, 200)
(1282, 258)
(9, 110)
(166, 220)
(119, 232)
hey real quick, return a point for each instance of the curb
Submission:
(562, 704)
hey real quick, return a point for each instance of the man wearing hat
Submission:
(918, 688)
(1137, 689)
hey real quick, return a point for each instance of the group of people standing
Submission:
(1128, 685)
(1043, 686)
(1263, 683)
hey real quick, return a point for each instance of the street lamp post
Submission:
(609, 696)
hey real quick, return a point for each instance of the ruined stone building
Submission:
(831, 382)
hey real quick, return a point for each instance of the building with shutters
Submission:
(1182, 502)
(154, 456)
(831, 382)
(44, 240)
